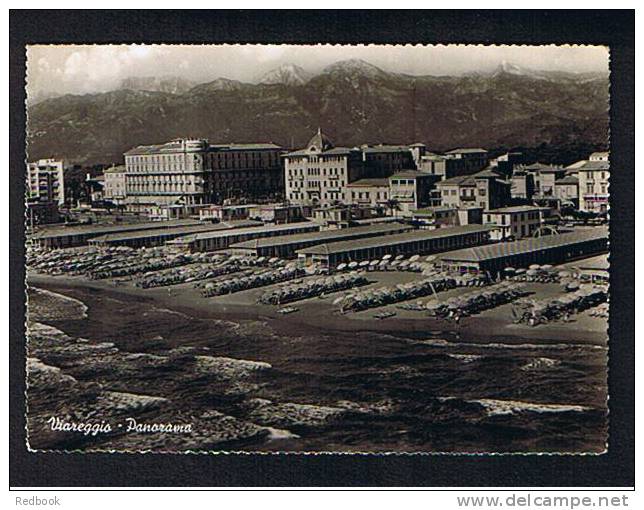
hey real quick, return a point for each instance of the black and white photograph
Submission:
(317, 248)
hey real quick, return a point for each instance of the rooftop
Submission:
(375, 149)
(514, 209)
(392, 240)
(250, 230)
(467, 150)
(542, 167)
(336, 151)
(119, 169)
(174, 231)
(431, 210)
(410, 174)
(369, 182)
(246, 147)
(179, 146)
(469, 180)
(108, 229)
(508, 249)
(569, 179)
(324, 235)
(320, 141)
(598, 263)
(595, 165)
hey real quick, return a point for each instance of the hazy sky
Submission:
(79, 69)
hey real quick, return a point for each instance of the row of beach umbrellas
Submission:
(356, 301)
(186, 274)
(312, 288)
(534, 312)
(262, 279)
(477, 301)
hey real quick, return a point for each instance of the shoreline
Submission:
(318, 316)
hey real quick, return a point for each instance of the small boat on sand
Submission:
(288, 309)
(384, 315)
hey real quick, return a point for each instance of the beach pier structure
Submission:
(158, 237)
(213, 241)
(286, 246)
(80, 235)
(552, 249)
(414, 242)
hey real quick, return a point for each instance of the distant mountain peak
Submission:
(354, 65)
(225, 84)
(286, 74)
(170, 84)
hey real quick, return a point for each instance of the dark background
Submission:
(613, 28)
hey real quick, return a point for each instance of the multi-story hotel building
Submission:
(593, 178)
(193, 172)
(454, 163)
(485, 189)
(115, 185)
(320, 173)
(46, 181)
(513, 222)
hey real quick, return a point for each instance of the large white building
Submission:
(46, 181)
(193, 172)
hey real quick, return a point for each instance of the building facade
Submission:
(320, 173)
(193, 172)
(543, 176)
(485, 189)
(454, 163)
(513, 222)
(115, 185)
(593, 186)
(368, 192)
(567, 190)
(46, 181)
(410, 190)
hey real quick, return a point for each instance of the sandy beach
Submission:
(318, 314)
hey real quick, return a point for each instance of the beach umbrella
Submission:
(386, 257)
(509, 270)
(374, 263)
(383, 262)
(341, 266)
(430, 258)
(414, 258)
(338, 300)
(364, 263)
(399, 257)
(353, 265)
(534, 267)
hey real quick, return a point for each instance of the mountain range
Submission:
(353, 102)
